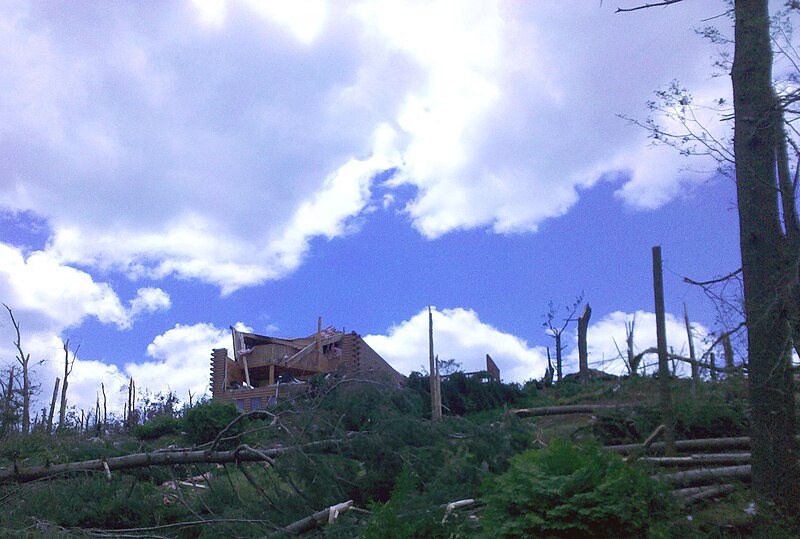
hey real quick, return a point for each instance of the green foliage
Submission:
(465, 394)
(88, 501)
(708, 410)
(205, 421)
(157, 427)
(387, 520)
(568, 490)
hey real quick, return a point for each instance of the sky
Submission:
(168, 170)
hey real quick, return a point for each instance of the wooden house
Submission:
(264, 370)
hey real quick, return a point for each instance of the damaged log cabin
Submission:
(265, 370)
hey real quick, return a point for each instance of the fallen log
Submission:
(707, 475)
(701, 459)
(693, 494)
(326, 516)
(469, 502)
(741, 442)
(635, 455)
(138, 460)
(569, 409)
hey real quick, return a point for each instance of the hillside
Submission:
(373, 454)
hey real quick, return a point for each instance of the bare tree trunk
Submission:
(52, 407)
(436, 401)
(97, 416)
(9, 417)
(559, 372)
(62, 412)
(131, 406)
(712, 364)
(583, 350)
(766, 266)
(24, 361)
(105, 407)
(690, 337)
(728, 352)
(665, 395)
(633, 359)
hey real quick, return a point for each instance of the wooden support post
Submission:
(319, 341)
(53, 406)
(246, 370)
(665, 396)
(583, 350)
(272, 375)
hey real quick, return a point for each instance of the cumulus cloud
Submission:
(38, 284)
(217, 141)
(48, 295)
(606, 338)
(181, 359)
(149, 300)
(459, 334)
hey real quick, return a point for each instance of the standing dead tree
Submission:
(9, 412)
(52, 407)
(583, 348)
(555, 330)
(665, 394)
(690, 338)
(68, 365)
(769, 233)
(24, 361)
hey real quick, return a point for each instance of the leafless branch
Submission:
(647, 6)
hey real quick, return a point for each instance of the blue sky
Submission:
(169, 170)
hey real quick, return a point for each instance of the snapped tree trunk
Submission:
(62, 412)
(583, 351)
(665, 395)
(690, 337)
(766, 265)
(52, 407)
(558, 355)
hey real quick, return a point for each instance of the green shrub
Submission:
(157, 427)
(206, 420)
(466, 394)
(707, 410)
(91, 501)
(567, 491)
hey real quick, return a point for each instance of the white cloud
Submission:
(181, 360)
(49, 295)
(149, 300)
(65, 295)
(459, 334)
(608, 333)
(216, 143)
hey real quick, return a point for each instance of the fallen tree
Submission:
(320, 518)
(705, 476)
(693, 494)
(243, 453)
(740, 442)
(702, 459)
(569, 409)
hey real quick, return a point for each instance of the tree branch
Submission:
(647, 6)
